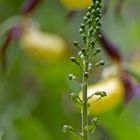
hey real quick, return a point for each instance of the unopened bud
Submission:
(100, 93)
(80, 30)
(101, 63)
(98, 9)
(91, 30)
(85, 19)
(65, 128)
(89, 21)
(83, 50)
(97, 28)
(89, 8)
(97, 3)
(73, 59)
(84, 37)
(97, 19)
(71, 77)
(82, 26)
(88, 14)
(82, 57)
(86, 74)
(92, 43)
(103, 94)
(98, 50)
(80, 53)
(90, 66)
(76, 44)
(93, 11)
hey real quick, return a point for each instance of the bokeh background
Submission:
(35, 92)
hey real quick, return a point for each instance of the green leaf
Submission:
(123, 126)
(32, 129)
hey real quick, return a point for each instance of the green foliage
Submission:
(33, 99)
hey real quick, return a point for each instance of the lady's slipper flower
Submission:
(76, 5)
(119, 87)
(43, 45)
(131, 88)
(114, 90)
(16, 31)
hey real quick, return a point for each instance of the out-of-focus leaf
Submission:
(121, 126)
(1, 134)
(32, 129)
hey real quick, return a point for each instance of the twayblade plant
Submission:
(90, 33)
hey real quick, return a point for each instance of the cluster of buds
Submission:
(90, 33)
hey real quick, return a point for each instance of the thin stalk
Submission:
(85, 104)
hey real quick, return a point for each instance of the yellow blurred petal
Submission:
(114, 89)
(76, 4)
(43, 45)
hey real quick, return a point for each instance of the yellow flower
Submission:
(46, 46)
(76, 4)
(114, 90)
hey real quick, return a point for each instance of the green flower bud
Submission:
(83, 51)
(102, 63)
(100, 93)
(90, 66)
(75, 43)
(71, 77)
(82, 26)
(84, 37)
(92, 42)
(97, 19)
(103, 94)
(88, 14)
(85, 19)
(91, 30)
(98, 10)
(97, 28)
(92, 6)
(93, 12)
(97, 3)
(73, 59)
(81, 30)
(98, 50)
(86, 74)
(80, 53)
(82, 57)
(89, 8)
(65, 128)
(89, 21)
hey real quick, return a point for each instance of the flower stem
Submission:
(85, 105)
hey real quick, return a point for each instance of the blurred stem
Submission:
(84, 97)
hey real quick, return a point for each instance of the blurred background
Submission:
(36, 43)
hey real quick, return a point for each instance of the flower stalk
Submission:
(84, 110)
(90, 33)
